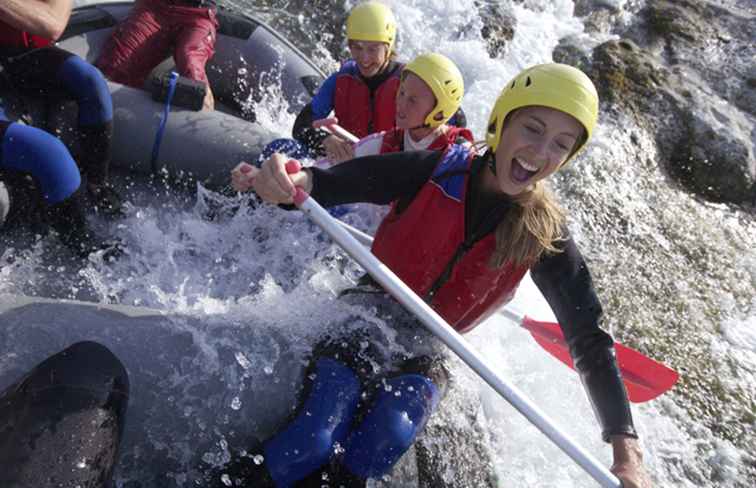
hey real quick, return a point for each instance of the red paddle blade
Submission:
(644, 378)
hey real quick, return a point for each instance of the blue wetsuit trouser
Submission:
(55, 75)
(28, 150)
(62, 423)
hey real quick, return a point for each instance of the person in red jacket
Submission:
(429, 95)
(156, 29)
(362, 92)
(463, 230)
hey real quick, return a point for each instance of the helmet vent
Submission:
(528, 82)
(513, 84)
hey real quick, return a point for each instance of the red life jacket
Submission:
(393, 140)
(356, 110)
(419, 243)
(12, 37)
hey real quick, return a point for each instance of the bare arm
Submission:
(45, 18)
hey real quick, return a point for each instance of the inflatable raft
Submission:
(195, 383)
(203, 385)
(251, 60)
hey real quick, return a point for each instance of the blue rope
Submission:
(163, 121)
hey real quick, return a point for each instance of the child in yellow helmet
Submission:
(463, 231)
(430, 94)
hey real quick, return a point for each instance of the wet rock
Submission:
(572, 51)
(628, 76)
(681, 73)
(681, 19)
(598, 16)
(599, 21)
(709, 39)
(317, 27)
(714, 159)
(745, 98)
(498, 26)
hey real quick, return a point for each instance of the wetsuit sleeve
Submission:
(305, 133)
(566, 283)
(379, 179)
(318, 108)
(322, 102)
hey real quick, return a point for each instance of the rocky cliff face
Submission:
(683, 70)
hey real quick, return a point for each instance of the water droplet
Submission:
(243, 361)
(258, 460)
(268, 370)
(236, 403)
(226, 479)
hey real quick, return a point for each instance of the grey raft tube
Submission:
(250, 58)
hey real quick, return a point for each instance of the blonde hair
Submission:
(529, 229)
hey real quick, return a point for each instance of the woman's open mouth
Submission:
(522, 171)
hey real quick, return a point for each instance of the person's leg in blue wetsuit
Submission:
(62, 423)
(28, 150)
(55, 75)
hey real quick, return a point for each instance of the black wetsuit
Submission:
(62, 423)
(55, 75)
(563, 278)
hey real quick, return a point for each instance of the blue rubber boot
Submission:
(308, 442)
(397, 416)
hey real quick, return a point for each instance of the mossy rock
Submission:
(680, 18)
(627, 75)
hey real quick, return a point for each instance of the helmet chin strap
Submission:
(425, 125)
(490, 160)
(422, 126)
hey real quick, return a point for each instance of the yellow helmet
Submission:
(445, 81)
(558, 86)
(371, 21)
